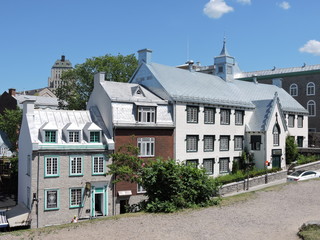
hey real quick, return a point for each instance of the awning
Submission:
(18, 216)
(124, 193)
(147, 104)
(3, 219)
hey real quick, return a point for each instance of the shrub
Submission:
(291, 150)
(307, 159)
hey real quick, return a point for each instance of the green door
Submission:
(276, 161)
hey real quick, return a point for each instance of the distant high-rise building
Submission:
(57, 69)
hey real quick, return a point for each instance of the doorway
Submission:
(98, 204)
(123, 206)
(276, 161)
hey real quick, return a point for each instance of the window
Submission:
(255, 142)
(208, 165)
(50, 136)
(291, 120)
(294, 90)
(51, 199)
(209, 115)
(311, 106)
(95, 136)
(239, 117)
(51, 167)
(223, 165)
(74, 136)
(75, 197)
(238, 143)
(225, 116)
(192, 114)
(220, 69)
(208, 143)
(300, 121)
(192, 162)
(276, 133)
(98, 165)
(310, 88)
(140, 188)
(300, 141)
(29, 165)
(192, 143)
(76, 166)
(146, 114)
(146, 147)
(224, 143)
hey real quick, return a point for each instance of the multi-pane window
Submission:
(192, 143)
(209, 115)
(291, 120)
(95, 136)
(239, 117)
(311, 106)
(208, 143)
(310, 88)
(76, 166)
(300, 141)
(238, 143)
(294, 90)
(146, 147)
(276, 133)
(255, 142)
(192, 114)
(51, 199)
(50, 136)
(225, 116)
(224, 143)
(192, 162)
(208, 165)
(300, 121)
(146, 114)
(51, 167)
(223, 165)
(75, 197)
(74, 136)
(98, 165)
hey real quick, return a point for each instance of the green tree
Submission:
(291, 150)
(77, 83)
(10, 123)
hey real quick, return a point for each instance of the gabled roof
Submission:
(40, 102)
(185, 86)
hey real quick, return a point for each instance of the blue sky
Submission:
(260, 33)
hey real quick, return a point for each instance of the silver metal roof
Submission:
(40, 102)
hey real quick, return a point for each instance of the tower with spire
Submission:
(224, 64)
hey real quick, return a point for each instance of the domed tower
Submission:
(60, 66)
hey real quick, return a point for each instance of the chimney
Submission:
(190, 64)
(99, 78)
(28, 106)
(144, 56)
(63, 58)
(12, 92)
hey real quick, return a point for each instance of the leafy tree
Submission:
(291, 150)
(77, 83)
(10, 123)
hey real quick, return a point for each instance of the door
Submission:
(276, 161)
(99, 202)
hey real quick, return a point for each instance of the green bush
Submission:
(291, 150)
(307, 159)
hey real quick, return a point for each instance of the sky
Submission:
(260, 34)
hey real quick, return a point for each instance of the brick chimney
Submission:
(12, 92)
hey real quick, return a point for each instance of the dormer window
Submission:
(50, 136)
(74, 136)
(95, 136)
(146, 114)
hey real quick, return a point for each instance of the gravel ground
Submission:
(270, 214)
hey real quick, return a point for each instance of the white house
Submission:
(217, 117)
(63, 158)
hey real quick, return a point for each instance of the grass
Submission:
(310, 232)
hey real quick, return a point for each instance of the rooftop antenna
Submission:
(188, 49)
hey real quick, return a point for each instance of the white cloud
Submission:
(285, 5)
(216, 8)
(312, 46)
(244, 1)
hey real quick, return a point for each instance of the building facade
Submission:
(60, 66)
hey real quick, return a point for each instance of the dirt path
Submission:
(275, 214)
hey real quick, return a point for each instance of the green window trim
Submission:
(50, 136)
(52, 165)
(95, 136)
(76, 166)
(55, 206)
(71, 205)
(98, 167)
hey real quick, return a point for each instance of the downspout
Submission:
(174, 131)
(37, 206)
(114, 185)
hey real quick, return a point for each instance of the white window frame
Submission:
(73, 136)
(300, 121)
(276, 135)
(239, 115)
(75, 197)
(291, 119)
(146, 114)
(76, 166)
(51, 166)
(140, 189)
(192, 114)
(146, 146)
(98, 165)
(311, 89)
(192, 143)
(294, 90)
(311, 106)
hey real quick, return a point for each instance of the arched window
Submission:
(311, 106)
(276, 134)
(294, 90)
(311, 88)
